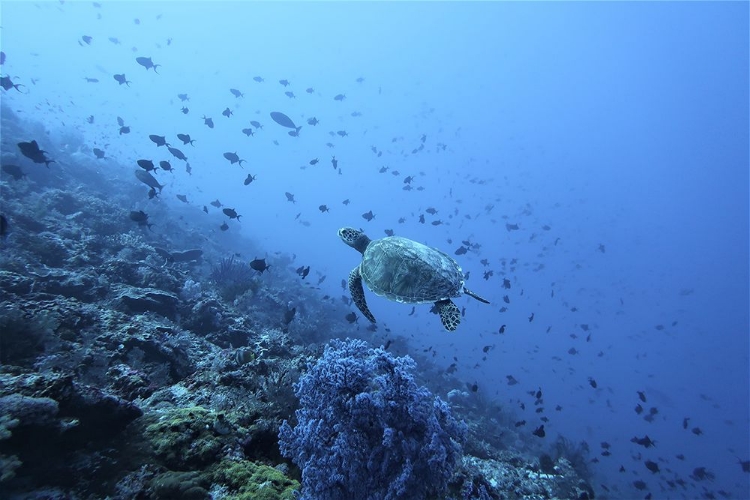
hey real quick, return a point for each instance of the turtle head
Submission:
(354, 238)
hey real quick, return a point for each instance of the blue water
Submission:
(622, 127)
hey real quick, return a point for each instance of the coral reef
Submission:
(366, 430)
(125, 373)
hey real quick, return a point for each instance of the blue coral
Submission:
(366, 430)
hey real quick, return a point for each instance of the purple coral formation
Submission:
(366, 430)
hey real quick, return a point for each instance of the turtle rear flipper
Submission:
(450, 315)
(472, 294)
(358, 293)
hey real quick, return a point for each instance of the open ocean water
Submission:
(585, 163)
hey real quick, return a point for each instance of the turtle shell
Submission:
(406, 271)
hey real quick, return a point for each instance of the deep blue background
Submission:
(617, 124)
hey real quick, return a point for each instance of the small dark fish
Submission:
(124, 130)
(259, 265)
(368, 216)
(309, 90)
(148, 180)
(303, 271)
(31, 151)
(2, 58)
(141, 218)
(334, 162)
(247, 131)
(346, 201)
(98, 153)
(511, 227)
(290, 94)
(224, 226)
(121, 79)
(147, 63)
(165, 165)
(146, 165)
(250, 178)
(256, 124)
(14, 171)
(520, 423)
(539, 431)
(177, 153)
(696, 430)
(236, 93)
(289, 315)
(314, 162)
(182, 198)
(185, 138)
(323, 208)
(258, 79)
(652, 466)
(389, 232)
(312, 121)
(231, 213)
(592, 383)
(290, 197)
(421, 218)
(461, 250)
(87, 39)
(205, 208)
(233, 158)
(91, 80)
(184, 110)
(183, 97)
(285, 83)
(7, 84)
(208, 121)
(641, 396)
(342, 133)
(159, 140)
(227, 112)
(284, 120)
(351, 317)
(339, 97)
(645, 441)
(431, 211)
(216, 203)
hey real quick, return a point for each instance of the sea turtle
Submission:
(406, 271)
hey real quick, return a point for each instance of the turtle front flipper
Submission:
(450, 315)
(358, 293)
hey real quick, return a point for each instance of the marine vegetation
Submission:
(233, 278)
(366, 430)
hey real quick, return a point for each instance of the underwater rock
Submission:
(141, 300)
